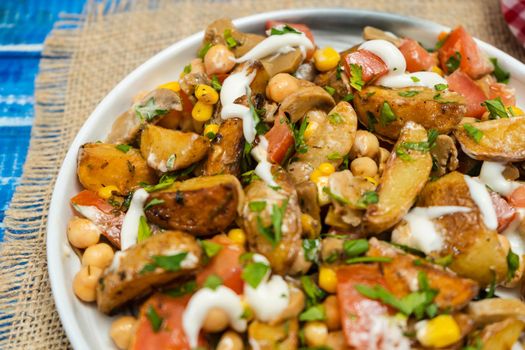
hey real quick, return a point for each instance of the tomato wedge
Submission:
(88, 198)
(300, 27)
(517, 197)
(503, 91)
(357, 311)
(225, 264)
(473, 94)
(473, 62)
(504, 211)
(373, 67)
(171, 335)
(417, 58)
(280, 140)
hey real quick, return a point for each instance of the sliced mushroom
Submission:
(444, 156)
(373, 33)
(495, 309)
(283, 63)
(304, 100)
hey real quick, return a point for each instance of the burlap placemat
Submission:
(84, 57)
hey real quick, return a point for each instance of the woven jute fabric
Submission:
(83, 58)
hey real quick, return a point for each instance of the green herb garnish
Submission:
(311, 249)
(215, 83)
(144, 230)
(154, 319)
(257, 206)
(123, 148)
(254, 273)
(330, 90)
(148, 111)
(273, 233)
(513, 263)
(212, 282)
(453, 62)
(348, 98)
(186, 288)
(415, 79)
(286, 29)
(187, 69)
(409, 93)
(204, 50)
(154, 201)
(473, 132)
(356, 77)
(496, 108)
(312, 291)
(336, 197)
(355, 247)
(368, 259)
(313, 313)
(334, 156)
(230, 41)
(369, 197)
(501, 75)
(300, 143)
(386, 116)
(440, 87)
(170, 263)
(211, 248)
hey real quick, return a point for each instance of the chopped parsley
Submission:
(415, 79)
(496, 108)
(372, 121)
(453, 62)
(286, 29)
(440, 87)
(356, 77)
(144, 230)
(123, 148)
(154, 319)
(248, 177)
(330, 90)
(170, 163)
(260, 126)
(210, 248)
(339, 69)
(187, 69)
(409, 93)
(230, 41)
(336, 197)
(212, 282)
(154, 201)
(186, 288)
(424, 146)
(386, 116)
(313, 313)
(311, 249)
(368, 259)
(167, 180)
(440, 43)
(334, 156)
(355, 247)
(403, 154)
(335, 118)
(257, 206)
(170, 263)
(513, 263)
(204, 50)
(273, 233)
(300, 144)
(348, 98)
(501, 75)
(148, 111)
(312, 291)
(254, 273)
(473, 132)
(215, 83)
(369, 197)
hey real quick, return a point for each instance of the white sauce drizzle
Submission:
(385, 333)
(517, 346)
(130, 225)
(202, 302)
(492, 175)
(271, 296)
(396, 63)
(423, 234)
(276, 43)
(233, 87)
(89, 212)
(516, 240)
(264, 167)
(480, 195)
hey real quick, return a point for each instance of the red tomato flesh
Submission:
(90, 198)
(504, 211)
(297, 26)
(373, 67)
(473, 62)
(357, 311)
(280, 140)
(473, 94)
(503, 91)
(517, 197)
(417, 58)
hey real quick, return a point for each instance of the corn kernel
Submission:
(307, 223)
(322, 195)
(316, 175)
(326, 59)
(172, 85)
(237, 236)
(206, 94)
(310, 129)
(326, 168)
(437, 70)
(211, 130)
(107, 191)
(202, 112)
(438, 332)
(516, 111)
(328, 279)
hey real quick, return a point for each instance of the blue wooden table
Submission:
(24, 24)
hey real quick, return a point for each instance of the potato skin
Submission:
(126, 281)
(502, 140)
(225, 154)
(501, 335)
(102, 164)
(400, 183)
(201, 206)
(476, 251)
(421, 108)
(157, 145)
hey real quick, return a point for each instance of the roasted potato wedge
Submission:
(402, 180)
(476, 250)
(283, 336)
(282, 202)
(442, 113)
(501, 140)
(135, 271)
(495, 309)
(158, 104)
(304, 100)
(102, 164)
(454, 292)
(501, 335)
(225, 154)
(200, 206)
(168, 150)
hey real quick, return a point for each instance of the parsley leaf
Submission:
(144, 230)
(348, 98)
(186, 288)
(415, 79)
(148, 111)
(204, 50)
(313, 313)
(123, 148)
(355, 247)
(403, 154)
(356, 77)
(170, 263)
(334, 156)
(496, 108)
(273, 233)
(453, 62)
(311, 249)
(339, 69)
(286, 29)
(254, 273)
(300, 144)
(230, 41)
(167, 180)
(501, 75)
(154, 319)
(386, 116)
(154, 201)
(513, 263)
(212, 282)
(473, 132)
(215, 83)
(257, 206)
(409, 93)
(440, 87)
(368, 259)
(312, 291)
(211, 248)
(371, 121)
(330, 90)
(369, 197)
(335, 118)
(336, 197)
(187, 68)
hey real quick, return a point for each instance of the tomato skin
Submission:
(90, 198)
(504, 211)
(171, 335)
(373, 67)
(473, 94)
(503, 91)
(358, 327)
(417, 58)
(225, 264)
(473, 62)
(187, 105)
(517, 197)
(300, 27)
(280, 140)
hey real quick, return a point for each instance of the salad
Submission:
(282, 195)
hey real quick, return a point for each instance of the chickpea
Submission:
(216, 321)
(331, 308)
(382, 157)
(122, 330)
(363, 166)
(330, 247)
(230, 341)
(280, 86)
(315, 333)
(85, 283)
(365, 144)
(99, 255)
(336, 341)
(294, 308)
(219, 60)
(82, 233)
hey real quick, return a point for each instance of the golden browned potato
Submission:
(454, 292)
(280, 243)
(304, 100)
(501, 335)
(262, 336)
(200, 206)
(405, 175)
(151, 263)
(500, 140)
(476, 250)
(495, 309)
(168, 150)
(102, 164)
(225, 154)
(336, 81)
(442, 113)
(156, 105)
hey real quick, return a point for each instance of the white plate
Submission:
(341, 28)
